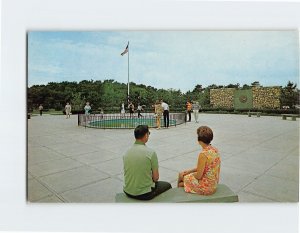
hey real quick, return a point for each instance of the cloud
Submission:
(51, 69)
(167, 59)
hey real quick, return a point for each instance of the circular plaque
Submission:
(243, 98)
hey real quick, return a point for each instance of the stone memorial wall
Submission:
(266, 97)
(222, 97)
(263, 97)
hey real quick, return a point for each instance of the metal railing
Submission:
(126, 121)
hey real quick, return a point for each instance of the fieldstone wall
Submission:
(263, 97)
(222, 97)
(266, 97)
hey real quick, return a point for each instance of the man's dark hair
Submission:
(140, 131)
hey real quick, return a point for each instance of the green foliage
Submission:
(109, 95)
(289, 95)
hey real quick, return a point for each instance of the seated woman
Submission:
(204, 178)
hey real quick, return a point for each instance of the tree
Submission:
(290, 95)
(246, 87)
(198, 88)
(255, 84)
(233, 85)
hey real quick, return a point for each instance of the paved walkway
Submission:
(67, 163)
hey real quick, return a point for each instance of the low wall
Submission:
(222, 97)
(266, 97)
(261, 97)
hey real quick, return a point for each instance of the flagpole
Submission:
(128, 75)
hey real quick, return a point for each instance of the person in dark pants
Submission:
(131, 109)
(141, 175)
(166, 113)
(189, 110)
(139, 109)
(41, 109)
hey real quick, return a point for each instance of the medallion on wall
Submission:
(243, 98)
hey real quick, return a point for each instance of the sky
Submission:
(165, 59)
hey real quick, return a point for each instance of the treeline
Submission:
(109, 95)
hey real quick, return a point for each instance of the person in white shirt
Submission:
(196, 107)
(123, 110)
(166, 113)
(87, 111)
(41, 109)
(139, 109)
(68, 109)
(87, 108)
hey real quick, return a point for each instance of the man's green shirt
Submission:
(139, 162)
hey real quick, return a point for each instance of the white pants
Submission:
(196, 115)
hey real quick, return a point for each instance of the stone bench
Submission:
(293, 116)
(254, 113)
(178, 195)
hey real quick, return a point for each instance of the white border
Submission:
(20, 16)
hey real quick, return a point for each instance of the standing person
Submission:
(141, 173)
(87, 108)
(101, 113)
(166, 113)
(196, 108)
(41, 109)
(189, 109)
(205, 177)
(131, 109)
(68, 109)
(123, 110)
(139, 109)
(158, 112)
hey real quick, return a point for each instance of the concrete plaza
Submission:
(68, 163)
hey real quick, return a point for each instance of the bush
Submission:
(245, 111)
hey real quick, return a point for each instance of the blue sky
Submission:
(165, 59)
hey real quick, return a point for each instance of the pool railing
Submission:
(126, 121)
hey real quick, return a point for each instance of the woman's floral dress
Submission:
(208, 183)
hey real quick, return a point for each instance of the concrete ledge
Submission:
(254, 113)
(293, 116)
(178, 195)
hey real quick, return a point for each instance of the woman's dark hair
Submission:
(140, 131)
(205, 134)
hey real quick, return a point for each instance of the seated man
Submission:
(141, 169)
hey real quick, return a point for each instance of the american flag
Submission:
(126, 50)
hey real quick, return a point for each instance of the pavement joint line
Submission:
(58, 152)
(258, 195)
(77, 187)
(53, 194)
(256, 178)
(87, 184)
(281, 178)
(45, 186)
(250, 182)
(276, 165)
(171, 169)
(228, 157)
(83, 165)
(39, 163)
(117, 177)
(53, 173)
(110, 175)
(89, 164)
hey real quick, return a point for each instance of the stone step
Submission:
(178, 195)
